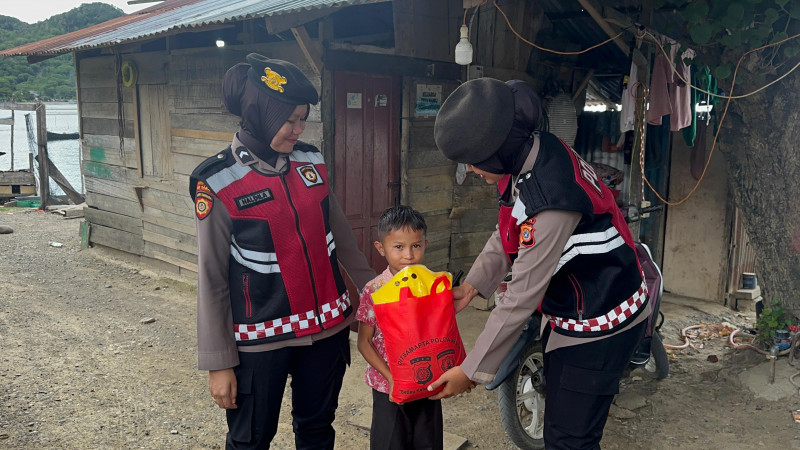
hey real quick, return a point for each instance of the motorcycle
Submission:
(520, 379)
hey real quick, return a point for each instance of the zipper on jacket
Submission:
(305, 249)
(248, 305)
(579, 301)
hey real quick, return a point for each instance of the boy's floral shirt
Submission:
(366, 314)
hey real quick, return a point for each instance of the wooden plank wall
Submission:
(113, 210)
(427, 176)
(419, 30)
(153, 217)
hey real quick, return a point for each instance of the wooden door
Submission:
(154, 130)
(367, 153)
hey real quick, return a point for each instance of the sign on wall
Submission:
(429, 99)
(354, 100)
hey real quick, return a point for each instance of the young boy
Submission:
(417, 424)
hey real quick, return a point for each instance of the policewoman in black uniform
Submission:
(570, 252)
(272, 301)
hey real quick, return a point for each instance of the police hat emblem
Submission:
(309, 175)
(281, 80)
(273, 79)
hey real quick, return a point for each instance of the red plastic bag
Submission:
(420, 333)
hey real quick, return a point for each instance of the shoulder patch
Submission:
(203, 200)
(526, 237)
(213, 164)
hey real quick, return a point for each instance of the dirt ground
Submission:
(82, 367)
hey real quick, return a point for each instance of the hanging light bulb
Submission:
(464, 48)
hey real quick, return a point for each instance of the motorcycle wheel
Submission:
(521, 405)
(657, 367)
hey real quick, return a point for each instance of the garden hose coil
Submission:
(129, 74)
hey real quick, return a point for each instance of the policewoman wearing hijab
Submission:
(271, 300)
(568, 248)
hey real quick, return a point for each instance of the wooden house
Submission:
(382, 69)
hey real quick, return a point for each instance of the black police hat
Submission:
(475, 120)
(281, 80)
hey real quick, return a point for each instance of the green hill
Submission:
(52, 79)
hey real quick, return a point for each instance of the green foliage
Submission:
(52, 79)
(771, 319)
(722, 30)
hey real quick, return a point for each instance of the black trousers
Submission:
(581, 382)
(414, 425)
(317, 371)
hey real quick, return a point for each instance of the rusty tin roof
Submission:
(169, 16)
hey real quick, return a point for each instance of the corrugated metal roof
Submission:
(170, 16)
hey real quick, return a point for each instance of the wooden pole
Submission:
(12, 140)
(41, 139)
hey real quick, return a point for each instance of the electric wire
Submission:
(511, 27)
(640, 117)
(719, 127)
(672, 65)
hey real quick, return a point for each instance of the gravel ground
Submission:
(96, 352)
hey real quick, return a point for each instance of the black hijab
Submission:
(511, 155)
(261, 115)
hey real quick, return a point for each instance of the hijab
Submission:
(513, 152)
(261, 116)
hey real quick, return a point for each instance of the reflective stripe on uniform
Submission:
(590, 244)
(253, 331)
(609, 320)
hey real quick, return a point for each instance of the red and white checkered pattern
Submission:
(335, 308)
(607, 321)
(295, 322)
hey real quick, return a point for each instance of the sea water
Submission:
(61, 118)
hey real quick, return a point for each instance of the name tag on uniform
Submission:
(256, 198)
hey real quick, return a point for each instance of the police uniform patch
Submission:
(203, 200)
(244, 155)
(273, 80)
(309, 175)
(526, 238)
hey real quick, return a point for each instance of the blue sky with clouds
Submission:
(43, 9)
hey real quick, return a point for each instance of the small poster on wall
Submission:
(354, 100)
(429, 99)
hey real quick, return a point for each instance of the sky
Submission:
(43, 9)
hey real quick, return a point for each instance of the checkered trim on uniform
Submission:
(335, 308)
(608, 321)
(295, 322)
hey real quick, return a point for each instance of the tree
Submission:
(53, 78)
(758, 136)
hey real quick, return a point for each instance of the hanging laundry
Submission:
(669, 94)
(680, 93)
(697, 154)
(702, 78)
(627, 117)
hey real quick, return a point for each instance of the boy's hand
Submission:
(391, 389)
(455, 382)
(462, 295)
(222, 384)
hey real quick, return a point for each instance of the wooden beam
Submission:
(310, 49)
(282, 22)
(41, 140)
(202, 134)
(19, 106)
(391, 65)
(62, 181)
(583, 85)
(6, 121)
(595, 11)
